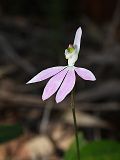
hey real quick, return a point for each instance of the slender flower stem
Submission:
(75, 124)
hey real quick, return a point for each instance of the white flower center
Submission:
(71, 55)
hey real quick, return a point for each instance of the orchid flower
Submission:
(63, 77)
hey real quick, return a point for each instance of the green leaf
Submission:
(97, 150)
(71, 153)
(9, 132)
(101, 150)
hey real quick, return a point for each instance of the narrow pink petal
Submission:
(53, 84)
(66, 86)
(85, 74)
(77, 39)
(47, 73)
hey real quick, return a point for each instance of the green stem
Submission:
(75, 124)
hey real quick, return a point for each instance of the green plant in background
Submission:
(96, 150)
(71, 153)
(9, 132)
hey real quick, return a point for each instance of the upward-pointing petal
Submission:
(66, 86)
(77, 39)
(53, 84)
(85, 74)
(47, 73)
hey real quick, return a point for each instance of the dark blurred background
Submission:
(33, 36)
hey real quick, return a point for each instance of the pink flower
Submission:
(63, 77)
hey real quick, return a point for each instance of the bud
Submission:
(70, 48)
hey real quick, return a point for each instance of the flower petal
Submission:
(85, 74)
(66, 86)
(77, 39)
(47, 73)
(53, 84)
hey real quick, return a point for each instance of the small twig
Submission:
(6, 70)
(46, 116)
(106, 90)
(14, 57)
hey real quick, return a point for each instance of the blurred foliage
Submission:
(10, 132)
(97, 150)
(71, 153)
